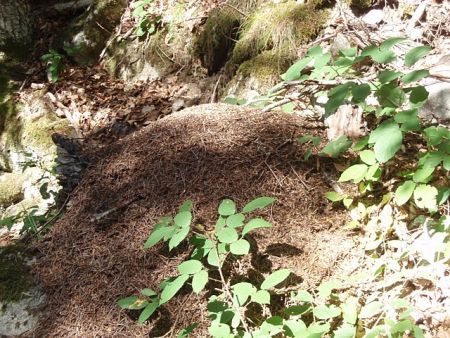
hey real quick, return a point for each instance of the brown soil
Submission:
(204, 153)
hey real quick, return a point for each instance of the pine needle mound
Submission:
(204, 153)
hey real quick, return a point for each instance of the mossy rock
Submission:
(281, 28)
(257, 75)
(11, 188)
(87, 35)
(14, 279)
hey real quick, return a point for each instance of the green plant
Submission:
(147, 22)
(54, 61)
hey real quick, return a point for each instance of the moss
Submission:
(360, 5)
(14, 280)
(279, 27)
(11, 188)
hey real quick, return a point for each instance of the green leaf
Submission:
(171, 288)
(255, 223)
(335, 148)
(261, 297)
(386, 76)
(416, 54)
(446, 162)
(350, 310)
(334, 196)
(435, 135)
(294, 72)
(325, 312)
(275, 278)
(414, 76)
(199, 281)
(418, 95)
(354, 173)
(360, 92)
(368, 157)
(324, 290)
(183, 219)
(390, 95)
(227, 208)
(258, 203)
(443, 195)
(337, 96)
(345, 331)
(157, 235)
(378, 55)
(187, 330)
(425, 196)
(303, 296)
(406, 115)
(370, 310)
(322, 60)
(242, 291)
(219, 330)
(148, 292)
(186, 206)
(423, 175)
(227, 235)
(213, 258)
(388, 139)
(178, 237)
(190, 267)
(391, 42)
(132, 303)
(240, 247)
(148, 311)
(349, 52)
(297, 310)
(373, 173)
(404, 192)
(401, 326)
(230, 100)
(288, 107)
(235, 220)
(361, 144)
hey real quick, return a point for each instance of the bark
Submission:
(15, 25)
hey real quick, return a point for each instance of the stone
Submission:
(187, 96)
(11, 188)
(373, 17)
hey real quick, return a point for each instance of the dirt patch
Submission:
(204, 153)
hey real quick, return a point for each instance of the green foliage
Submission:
(147, 22)
(54, 61)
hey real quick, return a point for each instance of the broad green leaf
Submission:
(183, 219)
(404, 192)
(178, 237)
(418, 95)
(255, 223)
(388, 139)
(349, 52)
(423, 175)
(375, 332)
(345, 331)
(261, 297)
(297, 310)
(373, 173)
(132, 303)
(333, 196)
(235, 220)
(435, 135)
(414, 76)
(295, 327)
(337, 96)
(227, 235)
(325, 312)
(227, 207)
(190, 267)
(240, 247)
(230, 100)
(350, 310)
(294, 72)
(425, 196)
(187, 330)
(417, 332)
(156, 236)
(361, 144)
(303, 296)
(315, 140)
(171, 288)
(275, 278)
(219, 330)
(148, 292)
(258, 203)
(386, 76)
(242, 291)
(318, 328)
(446, 162)
(148, 311)
(213, 258)
(360, 92)
(391, 42)
(378, 55)
(368, 157)
(371, 309)
(186, 206)
(390, 95)
(324, 290)
(354, 173)
(288, 107)
(401, 326)
(416, 54)
(335, 148)
(199, 281)
(406, 115)
(443, 195)
(322, 60)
